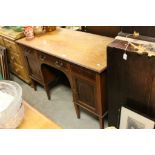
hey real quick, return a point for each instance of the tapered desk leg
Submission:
(47, 92)
(101, 121)
(77, 109)
(33, 84)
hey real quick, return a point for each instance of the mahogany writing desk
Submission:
(80, 56)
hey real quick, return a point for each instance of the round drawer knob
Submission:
(42, 57)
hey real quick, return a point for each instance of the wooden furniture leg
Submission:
(33, 85)
(47, 91)
(77, 109)
(101, 121)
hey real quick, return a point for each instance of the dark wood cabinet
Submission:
(143, 30)
(151, 110)
(130, 82)
(109, 31)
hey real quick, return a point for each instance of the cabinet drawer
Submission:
(11, 46)
(1, 41)
(18, 69)
(55, 62)
(83, 72)
(14, 58)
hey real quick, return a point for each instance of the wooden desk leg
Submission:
(101, 121)
(77, 109)
(100, 91)
(33, 84)
(47, 91)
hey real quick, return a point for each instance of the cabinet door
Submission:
(84, 83)
(85, 92)
(33, 63)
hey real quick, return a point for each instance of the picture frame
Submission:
(132, 120)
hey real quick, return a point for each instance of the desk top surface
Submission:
(84, 49)
(33, 119)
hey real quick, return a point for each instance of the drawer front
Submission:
(15, 58)
(1, 41)
(83, 72)
(55, 62)
(11, 46)
(18, 69)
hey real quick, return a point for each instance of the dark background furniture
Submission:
(143, 30)
(112, 31)
(131, 82)
(109, 31)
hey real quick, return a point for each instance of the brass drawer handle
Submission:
(61, 64)
(58, 64)
(27, 51)
(42, 57)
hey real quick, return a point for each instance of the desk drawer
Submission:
(55, 62)
(83, 72)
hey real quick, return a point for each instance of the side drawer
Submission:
(55, 62)
(83, 72)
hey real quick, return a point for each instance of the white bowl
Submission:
(15, 90)
(15, 121)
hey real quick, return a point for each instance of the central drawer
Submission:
(53, 61)
(83, 72)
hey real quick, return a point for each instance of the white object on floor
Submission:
(5, 100)
(11, 109)
(14, 121)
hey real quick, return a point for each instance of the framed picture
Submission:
(132, 120)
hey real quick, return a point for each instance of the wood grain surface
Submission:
(33, 119)
(85, 49)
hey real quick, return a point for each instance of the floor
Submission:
(60, 108)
